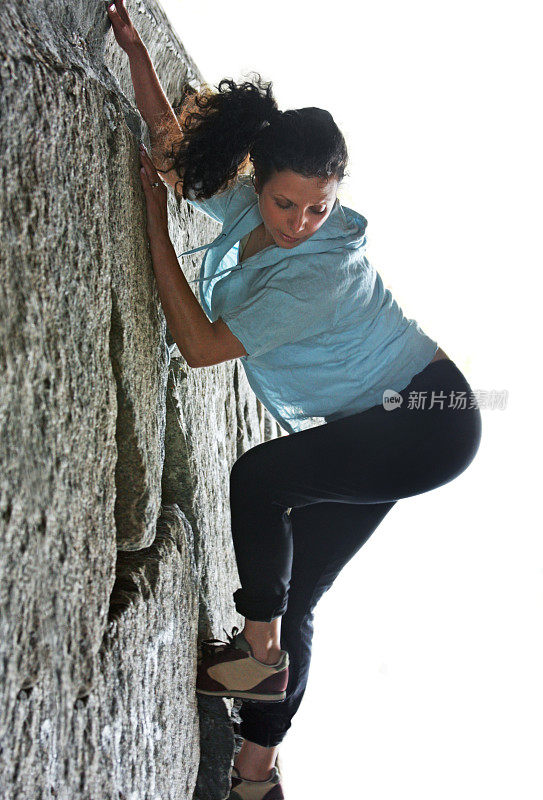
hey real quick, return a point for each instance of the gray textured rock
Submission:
(135, 730)
(140, 721)
(102, 445)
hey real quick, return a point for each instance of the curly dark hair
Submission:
(223, 131)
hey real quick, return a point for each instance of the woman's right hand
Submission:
(125, 33)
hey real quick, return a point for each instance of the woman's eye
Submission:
(322, 211)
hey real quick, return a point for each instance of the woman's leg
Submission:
(326, 536)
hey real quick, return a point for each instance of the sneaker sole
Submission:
(276, 698)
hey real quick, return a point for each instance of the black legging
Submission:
(339, 479)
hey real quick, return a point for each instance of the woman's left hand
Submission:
(156, 197)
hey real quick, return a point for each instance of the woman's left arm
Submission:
(200, 342)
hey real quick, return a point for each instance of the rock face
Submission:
(116, 556)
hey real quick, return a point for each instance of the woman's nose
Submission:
(297, 224)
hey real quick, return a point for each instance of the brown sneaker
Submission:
(269, 789)
(229, 669)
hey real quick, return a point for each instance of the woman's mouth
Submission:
(289, 239)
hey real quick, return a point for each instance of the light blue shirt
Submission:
(324, 338)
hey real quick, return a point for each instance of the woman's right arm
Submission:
(152, 103)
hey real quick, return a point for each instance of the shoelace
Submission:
(212, 646)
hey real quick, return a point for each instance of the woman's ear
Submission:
(255, 183)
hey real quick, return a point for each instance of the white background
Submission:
(426, 678)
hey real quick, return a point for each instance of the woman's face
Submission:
(294, 207)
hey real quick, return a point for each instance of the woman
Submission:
(287, 288)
